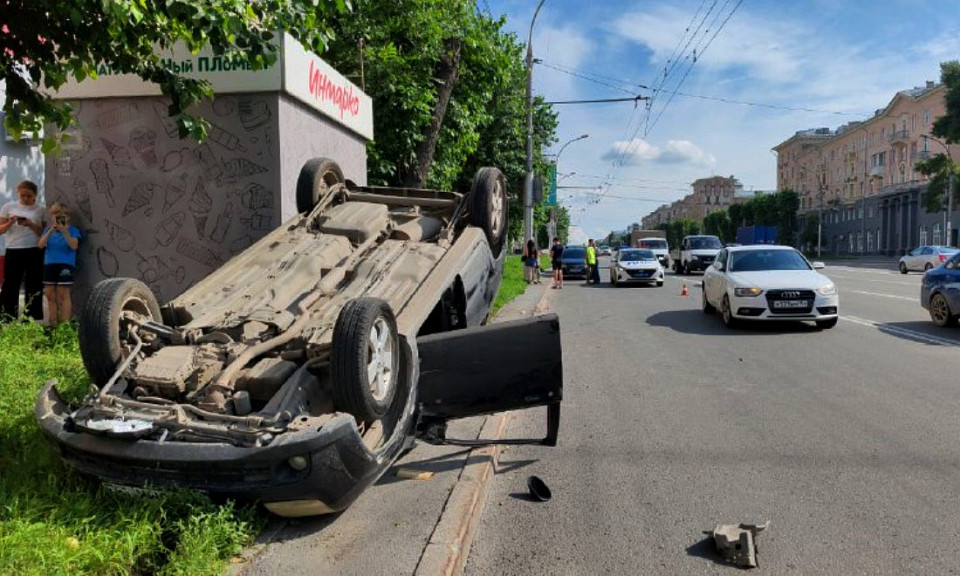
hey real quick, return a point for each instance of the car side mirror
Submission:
(819, 265)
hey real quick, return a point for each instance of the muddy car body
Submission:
(300, 370)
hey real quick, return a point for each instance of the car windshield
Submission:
(705, 244)
(654, 244)
(632, 255)
(762, 260)
(572, 252)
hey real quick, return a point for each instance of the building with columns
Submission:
(861, 177)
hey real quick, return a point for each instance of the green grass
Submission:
(54, 521)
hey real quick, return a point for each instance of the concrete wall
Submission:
(169, 211)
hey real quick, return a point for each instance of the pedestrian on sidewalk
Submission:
(21, 224)
(556, 262)
(530, 257)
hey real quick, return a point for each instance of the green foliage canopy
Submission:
(43, 44)
(941, 166)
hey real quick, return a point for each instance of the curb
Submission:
(448, 548)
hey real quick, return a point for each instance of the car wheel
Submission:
(365, 359)
(726, 314)
(827, 324)
(103, 326)
(903, 268)
(927, 267)
(707, 306)
(940, 311)
(489, 208)
(317, 178)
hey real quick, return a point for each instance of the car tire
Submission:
(101, 331)
(927, 267)
(903, 268)
(940, 311)
(708, 308)
(726, 314)
(317, 178)
(826, 324)
(365, 338)
(488, 209)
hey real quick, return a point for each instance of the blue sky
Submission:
(763, 70)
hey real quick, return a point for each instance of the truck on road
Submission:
(655, 240)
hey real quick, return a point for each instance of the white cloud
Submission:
(639, 151)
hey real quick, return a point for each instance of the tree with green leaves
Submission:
(448, 87)
(941, 166)
(717, 224)
(43, 44)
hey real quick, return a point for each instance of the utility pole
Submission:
(820, 221)
(528, 179)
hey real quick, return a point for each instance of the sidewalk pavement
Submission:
(398, 526)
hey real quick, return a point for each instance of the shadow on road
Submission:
(436, 464)
(706, 549)
(696, 322)
(914, 331)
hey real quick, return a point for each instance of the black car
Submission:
(574, 261)
(300, 370)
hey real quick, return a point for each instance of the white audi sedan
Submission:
(635, 266)
(764, 282)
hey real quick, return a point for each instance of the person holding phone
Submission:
(60, 241)
(21, 223)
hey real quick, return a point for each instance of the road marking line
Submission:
(882, 327)
(909, 298)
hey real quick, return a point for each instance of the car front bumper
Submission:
(639, 276)
(570, 270)
(761, 308)
(338, 465)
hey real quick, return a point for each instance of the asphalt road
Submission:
(846, 439)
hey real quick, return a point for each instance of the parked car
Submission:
(696, 253)
(925, 257)
(603, 250)
(940, 292)
(635, 266)
(301, 369)
(574, 261)
(769, 283)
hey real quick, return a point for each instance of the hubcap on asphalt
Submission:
(939, 309)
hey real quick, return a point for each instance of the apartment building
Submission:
(708, 195)
(861, 176)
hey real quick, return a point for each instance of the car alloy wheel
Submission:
(927, 267)
(707, 306)
(940, 311)
(903, 268)
(726, 314)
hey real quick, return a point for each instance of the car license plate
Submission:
(791, 304)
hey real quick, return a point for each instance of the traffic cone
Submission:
(685, 292)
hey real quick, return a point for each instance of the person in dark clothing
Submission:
(556, 262)
(21, 223)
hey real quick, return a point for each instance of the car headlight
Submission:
(827, 289)
(747, 291)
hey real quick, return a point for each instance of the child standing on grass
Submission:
(21, 223)
(59, 264)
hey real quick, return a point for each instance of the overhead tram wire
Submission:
(669, 71)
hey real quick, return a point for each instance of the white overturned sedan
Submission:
(635, 266)
(765, 282)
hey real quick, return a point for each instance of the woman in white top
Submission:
(21, 224)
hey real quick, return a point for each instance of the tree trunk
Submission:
(447, 72)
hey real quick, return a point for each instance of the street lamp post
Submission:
(947, 224)
(552, 226)
(528, 180)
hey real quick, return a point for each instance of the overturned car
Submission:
(300, 370)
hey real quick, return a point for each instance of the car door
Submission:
(487, 369)
(951, 281)
(912, 259)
